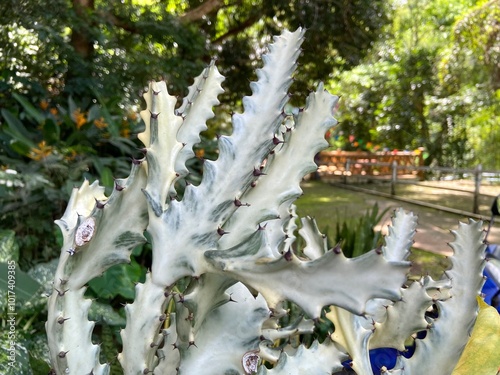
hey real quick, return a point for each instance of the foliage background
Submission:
(72, 74)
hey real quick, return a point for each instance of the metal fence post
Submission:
(477, 187)
(394, 178)
(346, 170)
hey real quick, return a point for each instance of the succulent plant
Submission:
(232, 239)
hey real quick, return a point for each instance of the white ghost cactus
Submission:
(233, 236)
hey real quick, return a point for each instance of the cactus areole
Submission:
(233, 238)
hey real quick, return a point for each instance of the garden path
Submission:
(434, 226)
(331, 203)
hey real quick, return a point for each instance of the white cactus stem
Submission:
(226, 262)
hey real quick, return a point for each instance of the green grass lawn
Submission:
(329, 206)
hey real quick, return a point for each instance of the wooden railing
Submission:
(354, 169)
(341, 163)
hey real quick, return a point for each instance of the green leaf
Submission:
(113, 128)
(19, 147)
(43, 273)
(39, 353)
(63, 111)
(16, 283)
(94, 113)
(9, 249)
(118, 280)
(101, 312)
(106, 177)
(51, 131)
(17, 130)
(481, 353)
(32, 112)
(72, 106)
(20, 364)
(39, 366)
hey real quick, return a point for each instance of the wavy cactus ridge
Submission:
(69, 335)
(196, 109)
(400, 237)
(289, 163)
(139, 356)
(110, 243)
(411, 310)
(208, 293)
(81, 203)
(261, 118)
(291, 279)
(163, 148)
(168, 357)
(452, 328)
(357, 334)
(232, 173)
(353, 337)
(217, 347)
(276, 77)
(318, 359)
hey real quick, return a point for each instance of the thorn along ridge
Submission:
(61, 293)
(238, 203)
(277, 141)
(258, 172)
(221, 231)
(118, 187)
(337, 249)
(61, 320)
(100, 205)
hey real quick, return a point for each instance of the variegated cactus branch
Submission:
(452, 329)
(232, 239)
(98, 232)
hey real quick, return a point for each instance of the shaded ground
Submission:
(433, 192)
(330, 204)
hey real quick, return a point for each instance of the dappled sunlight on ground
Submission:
(330, 204)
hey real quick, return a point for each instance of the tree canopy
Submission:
(72, 72)
(431, 82)
(81, 47)
(412, 73)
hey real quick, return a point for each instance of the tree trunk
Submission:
(202, 10)
(80, 38)
(79, 74)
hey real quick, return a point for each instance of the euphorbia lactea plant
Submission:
(233, 238)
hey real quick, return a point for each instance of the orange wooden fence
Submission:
(341, 163)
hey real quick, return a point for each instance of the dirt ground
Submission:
(434, 226)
